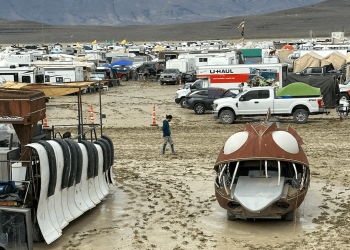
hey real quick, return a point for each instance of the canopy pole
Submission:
(296, 173)
(234, 175)
(303, 178)
(99, 85)
(227, 192)
(279, 172)
(266, 169)
(222, 171)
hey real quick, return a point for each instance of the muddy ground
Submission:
(168, 202)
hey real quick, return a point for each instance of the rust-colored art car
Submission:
(262, 172)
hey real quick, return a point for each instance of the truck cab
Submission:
(345, 90)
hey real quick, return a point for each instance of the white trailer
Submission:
(22, 74)
(204, 59)
(57, 74)
(184, 65)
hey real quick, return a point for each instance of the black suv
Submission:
(202, 99)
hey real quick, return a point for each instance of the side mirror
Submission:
(242, 99)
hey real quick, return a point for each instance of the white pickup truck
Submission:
(256, 101)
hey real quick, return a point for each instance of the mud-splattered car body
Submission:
(262, 172)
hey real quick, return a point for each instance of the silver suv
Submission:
(170, 76)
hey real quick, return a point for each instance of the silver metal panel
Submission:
(285, 191)
(5, 155)
(12, 212)
(255, 194)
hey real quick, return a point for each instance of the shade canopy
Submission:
(121, 62)
(288, 47)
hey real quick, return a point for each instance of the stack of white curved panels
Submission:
(75, 177)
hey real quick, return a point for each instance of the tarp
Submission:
(250, 62)
(327, 84)
(308, 60)
(299, 89)
(288, 47)
(284, 53)
(158, 48)
(81, 59)
(122, 62)
(348, 57)
(335, 58)
(50, 89)
(251, 52)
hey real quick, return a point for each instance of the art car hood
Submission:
(263, 141)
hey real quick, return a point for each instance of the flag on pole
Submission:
(94, 42)
(111, 42)
(123, 42)
(241, 28)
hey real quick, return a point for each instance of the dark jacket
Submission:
(166, 128)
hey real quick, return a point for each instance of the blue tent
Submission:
(121, 62)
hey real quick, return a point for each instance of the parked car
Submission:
(345, 90)
(170, 76)
(326, 70)
(152, 68)
(123, 72)
(256, 101)
(202, 99)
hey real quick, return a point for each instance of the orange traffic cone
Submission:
(180, 82)
(154, 124)
(45, 122)
(91, 115)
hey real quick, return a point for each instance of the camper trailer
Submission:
(59, 74)
(22, 74)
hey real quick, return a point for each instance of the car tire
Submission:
(227, 116)
(344, 97)
(300, 116)
(199, 109)
(183, 102)
(289, 216)
(124, 77)
(161, 83)
(231, 216)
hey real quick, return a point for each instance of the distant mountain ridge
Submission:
(136, 12)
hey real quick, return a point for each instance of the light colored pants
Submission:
(167, 139)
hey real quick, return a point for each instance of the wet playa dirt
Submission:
(168, 202)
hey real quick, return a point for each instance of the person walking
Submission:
(167, 134)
